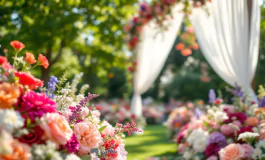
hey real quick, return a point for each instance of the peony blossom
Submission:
(30, 58)
(26, 79)
(43, 60)
(9, 94)
(227, 129)
(232, 152)
(34, 105)
(18, 46)
(88, 136)
(252, 121)
(56, 128)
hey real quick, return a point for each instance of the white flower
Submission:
(10, 120)
(260, 144)
(257, 153)
(5, 143)
(197, 133)
(220, 116)
(72, 157)
(187, 155)
(247, 135)
(200, 144)
(56, 156)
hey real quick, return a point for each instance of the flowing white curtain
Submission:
(151, 54)
(228, 41)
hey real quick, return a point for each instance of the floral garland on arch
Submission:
(57, 123)
(157, 10)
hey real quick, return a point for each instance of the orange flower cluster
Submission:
(9, 94)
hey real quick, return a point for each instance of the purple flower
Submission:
(218, 138)
(262, 102)
(51, 86)
(237, 92)
(212, 96)
(72, 145)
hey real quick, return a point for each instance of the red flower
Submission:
(43, 60)
(180, 46)
(17, 45)
(186, 52)
(240, 116)
(26, 79)
(30, 58)
(34, 137)
(3, 60)
(212, 150)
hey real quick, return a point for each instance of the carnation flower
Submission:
(218, 138)
(35, 105)
(232, 152)
(10, 120)
(227, 129)
(247, 135)
(9, 94)
(212, 150)
(249, 150)
(30, 58)
(26, 79)
(72, 145)
(88, 136)
(195, 134)
(43, 60)
(240, 116)
(56, 128)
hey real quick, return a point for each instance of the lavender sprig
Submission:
(77, 109)
(51, 86)
(212, 96)
(237, 92)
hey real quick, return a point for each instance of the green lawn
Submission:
(153, 143)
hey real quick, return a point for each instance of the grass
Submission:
(153, 143)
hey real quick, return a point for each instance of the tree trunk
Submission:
(45, 73)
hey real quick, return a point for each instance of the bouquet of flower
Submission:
(56, 123)
(225, 132)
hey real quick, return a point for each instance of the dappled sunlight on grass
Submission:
(154, 142)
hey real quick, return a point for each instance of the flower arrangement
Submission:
(56, 123)
(225, 132)
(158, 11)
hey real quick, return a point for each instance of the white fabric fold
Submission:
(152, 52)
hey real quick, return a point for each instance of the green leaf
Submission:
(102, 128)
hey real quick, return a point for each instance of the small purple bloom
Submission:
(218, 138)
(198, 113)
(262, 102)
(72, 145)
(212, 96)
(237, 92)
(51, 86)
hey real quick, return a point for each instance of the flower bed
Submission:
(56, 123)
(225, 132)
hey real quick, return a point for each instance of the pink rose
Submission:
(249, 150)
(88, 136)
(232, 152)
(226, 129)
(84, 112)
(237, 123)
(56, 128)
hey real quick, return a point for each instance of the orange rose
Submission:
(8, 95)
(17, 45)
(232, 152)
(252, 121)
(20, 151)
(180, 46)
(30, 58)
(43, 60)
(56, 128)
(186, 52)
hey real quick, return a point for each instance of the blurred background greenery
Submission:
(87, 36)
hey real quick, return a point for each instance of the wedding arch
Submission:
(228, 36)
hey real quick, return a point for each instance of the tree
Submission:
(85, 27)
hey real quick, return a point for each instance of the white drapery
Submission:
(228, 41)
(151, 53)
